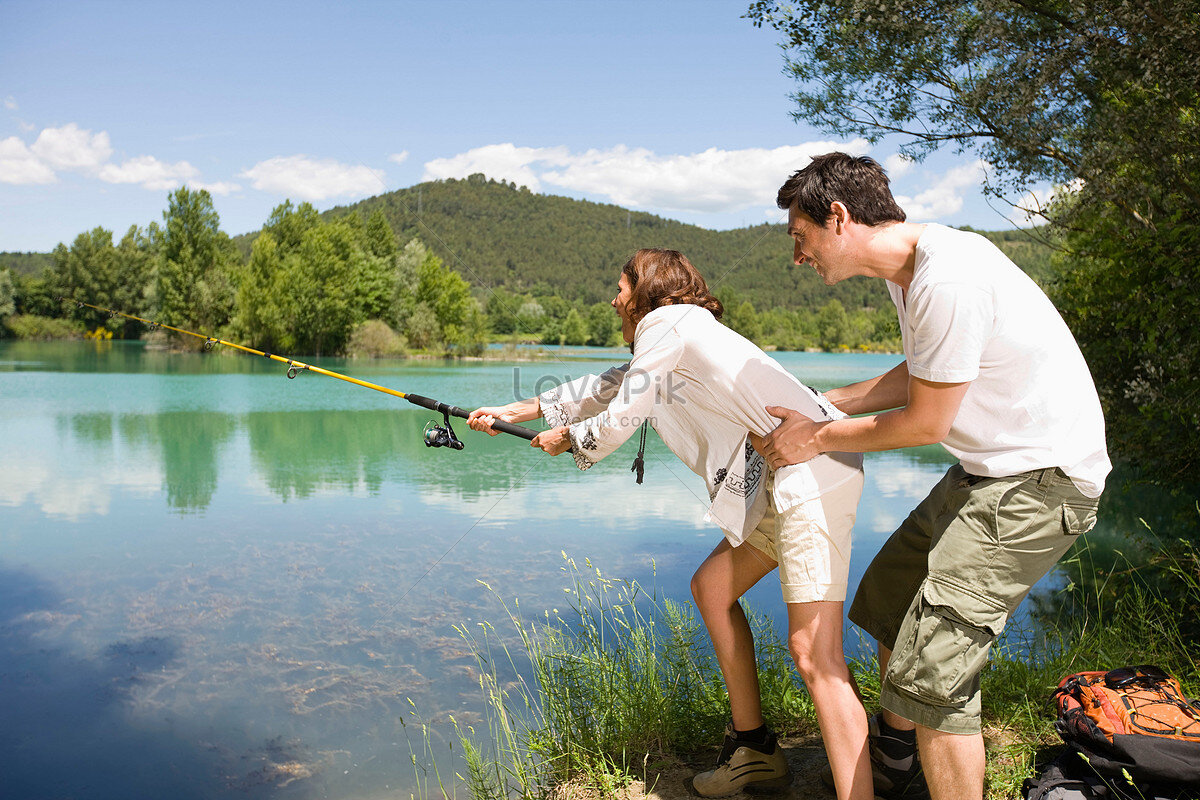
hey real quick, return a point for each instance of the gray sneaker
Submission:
(745, 765)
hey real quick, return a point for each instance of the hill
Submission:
(25, 263)
(497, 234)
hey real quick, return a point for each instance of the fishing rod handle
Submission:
(455, 411)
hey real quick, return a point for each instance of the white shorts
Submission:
(811, 543)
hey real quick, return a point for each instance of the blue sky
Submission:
(676, 108)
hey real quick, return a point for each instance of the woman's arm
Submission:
(481, 419)
(657, 350)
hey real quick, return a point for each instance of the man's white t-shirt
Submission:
(970, 314)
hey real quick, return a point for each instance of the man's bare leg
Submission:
(953, 763)
(727, 574)
(815, 641)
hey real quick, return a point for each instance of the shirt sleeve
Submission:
(949, 326)
(581, 398)
(646, 384)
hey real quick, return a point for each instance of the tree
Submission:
(833, 326)
(574, 330)
(444, 291)
(8, 304)
(604, 326)
(1099, 96)
(193, 287)
(1060, 91)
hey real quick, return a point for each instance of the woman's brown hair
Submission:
(661, 277)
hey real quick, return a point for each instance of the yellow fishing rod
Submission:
(435, 435)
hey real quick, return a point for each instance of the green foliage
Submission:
(574, 330)
(1130, 295)
(604, 326)
(1098, 95)
(621, 679)
(93, 271)
(193, 288)
(31, 326)
(25, 263)
(310, 282)
(375, 339)
(423, 330)
(8, 299)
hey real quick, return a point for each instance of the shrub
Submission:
(375, 339)
(31, 326)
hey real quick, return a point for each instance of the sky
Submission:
(680, 109)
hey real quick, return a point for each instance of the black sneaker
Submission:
(745, 765)
(895, 766)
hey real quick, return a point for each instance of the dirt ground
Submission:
(806, 756)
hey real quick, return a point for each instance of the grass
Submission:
(625, 681)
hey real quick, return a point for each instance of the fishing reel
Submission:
(441, 435)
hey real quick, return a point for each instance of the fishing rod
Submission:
(435, 435)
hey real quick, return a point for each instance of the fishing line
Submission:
(434, 435)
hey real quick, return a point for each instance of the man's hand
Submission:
(554, 441)
(793, 441)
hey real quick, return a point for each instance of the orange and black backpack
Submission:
(1132, 719)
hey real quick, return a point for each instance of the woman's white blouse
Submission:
(702, 387)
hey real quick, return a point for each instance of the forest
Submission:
(441, 268)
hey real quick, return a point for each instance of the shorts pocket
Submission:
(1078, 518)
(943, 644)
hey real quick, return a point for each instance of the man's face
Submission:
(820, 246)
(621, 304)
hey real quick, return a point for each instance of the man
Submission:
(991, 372)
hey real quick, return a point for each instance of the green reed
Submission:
(622, 684)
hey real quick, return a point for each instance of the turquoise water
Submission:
(215, 581)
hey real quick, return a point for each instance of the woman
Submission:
(704, 389)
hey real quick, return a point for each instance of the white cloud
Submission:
(398, 158)
(311, 179)
(19, 165)
(500, 161)
(946, 196)
(10, 103)
(897, 165)
(72, 148)
(714, 180)
(149, 172)
(215, 187)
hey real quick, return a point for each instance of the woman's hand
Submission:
(554, 441)
(481, 419)
(518, 411)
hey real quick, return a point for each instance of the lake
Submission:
(218, 582)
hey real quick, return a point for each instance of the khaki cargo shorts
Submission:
(811, 543)
(942, 587)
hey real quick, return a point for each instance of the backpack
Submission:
(1068, 777)
(1134, 721)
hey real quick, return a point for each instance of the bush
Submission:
(30, 326)
(375, 339)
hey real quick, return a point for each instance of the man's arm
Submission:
(880, 393)
(925, 419)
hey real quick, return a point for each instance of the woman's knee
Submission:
(817, 663)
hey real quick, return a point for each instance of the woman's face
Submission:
(621, 304)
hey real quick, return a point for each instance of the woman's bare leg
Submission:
(720, 581)
(815, 641)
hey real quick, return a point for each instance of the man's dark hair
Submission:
(857, 181)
